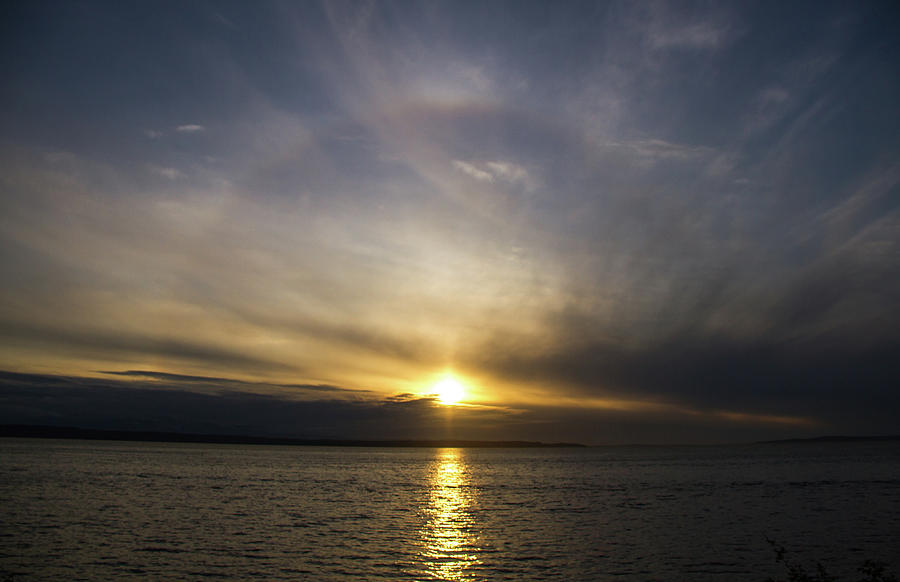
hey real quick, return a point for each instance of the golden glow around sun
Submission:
(449, 390)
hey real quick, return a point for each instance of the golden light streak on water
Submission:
(450, 537)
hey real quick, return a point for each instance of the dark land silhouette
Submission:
(67, 432)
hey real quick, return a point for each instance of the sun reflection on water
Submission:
(449, 537)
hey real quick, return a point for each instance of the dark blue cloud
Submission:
(222, 406)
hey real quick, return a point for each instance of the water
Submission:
(83, 510)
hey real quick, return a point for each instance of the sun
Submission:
(449, 390)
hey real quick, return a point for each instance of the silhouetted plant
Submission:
(872, 571)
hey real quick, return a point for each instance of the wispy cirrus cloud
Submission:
(190, 128)
(496, 171)
(697, 35)
(666, 27)
(215, 381)
(170, 173)
(651, 149)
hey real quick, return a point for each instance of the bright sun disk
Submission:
(449, 390)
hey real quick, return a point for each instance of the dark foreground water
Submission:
(82, 510)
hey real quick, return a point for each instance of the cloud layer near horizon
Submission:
(620, 207)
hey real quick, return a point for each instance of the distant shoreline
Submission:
(66, 432)
(69, 432)
(833, 439)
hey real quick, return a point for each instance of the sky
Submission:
(611, 222)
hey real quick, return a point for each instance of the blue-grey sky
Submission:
(628, 221)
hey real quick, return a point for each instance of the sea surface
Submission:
(103, 510)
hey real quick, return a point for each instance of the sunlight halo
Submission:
(449, 390)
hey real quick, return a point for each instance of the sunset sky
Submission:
(609, 222)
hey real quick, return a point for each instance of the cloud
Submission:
(90, 342)
(210, 405)
(814, 344)
(704, 192)
(495, 171)
(230, 382)
(508, 171)
(658, 149)
(814, 382)
(190, 128)
(773, 95)
(473, 171)
(698, 35)
(213, 406)
(170, 173)
(665, 27)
